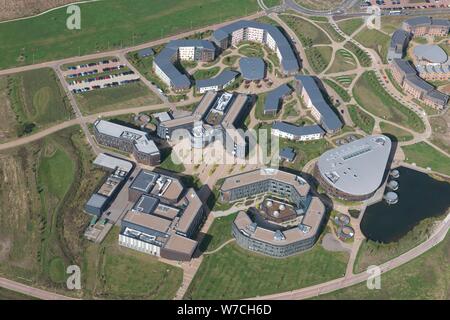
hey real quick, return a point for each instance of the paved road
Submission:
(30, 291)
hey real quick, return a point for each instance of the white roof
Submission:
(431, 53)
(142, 142)
(110, 162)
(356, 168)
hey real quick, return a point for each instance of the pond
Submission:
(420, 197)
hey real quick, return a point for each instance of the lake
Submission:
(420, 197)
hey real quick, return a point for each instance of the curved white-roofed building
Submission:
(355, 170)
(432, 54)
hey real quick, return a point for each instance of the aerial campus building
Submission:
(289, 219)
(220, 82)
(311, 95)
(274, 99)
(421, 26)
(355, 170)
(129, 140)
(119, 170)
(406, 76)
(293, 132)
(399, 43)
(190, 50)
(271, 36)
(252, 69)
(164, 219)
(218, 115)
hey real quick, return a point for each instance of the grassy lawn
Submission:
(206, 73)
(126, 274)
(49, 181)
(251, 50)
(372, 97)
(218, 233)
(319, 4)
(400, 134)
(331, 32)
(343, 61)
(350, 26)
(145, 68)
(308, 33)
(441, 129)
(290, 110)
(361, 119)
(345, 80)
(425, 156)
(339, 90)
(235, 273)
(424, 278)
(363, 58)
(306, 151)
(374, 39)
(127, 96)
(36, 99)
(272, 3)
(9, 127)
(230, 60)
(319, 57)
(170, 165)
(109, 24)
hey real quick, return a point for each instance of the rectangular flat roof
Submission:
(144, 180)
(146, 204)
(148, 221)
(220, 80)
(297, 130)
(181, 244)
(190, 212)
(106, 161)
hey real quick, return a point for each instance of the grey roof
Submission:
(112, 163)
(399, 40)
(438, 97)
(97, 201)
(420, 21)
(252, 68)
(431, 53)
(418, 83)
(288, 154)
(144, 181)
(146, 204)
(273, 97)
(140, 138)
(356, 168)
(297, 130)
(220, 80)
(405, 67)
(146, 52)
(330, 121)
(164, 62)
(165, 57)
(289, 60)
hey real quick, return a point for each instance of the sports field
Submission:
(106, 25)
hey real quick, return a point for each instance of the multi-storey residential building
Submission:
(127, 139)
(164, 219)
(355, 170)
(220, 82)
(274, 98)
(398, 45)
(300, 133)
(277, 240)
(311, 95)
(421, 26)
(191, 50)
(233, 34)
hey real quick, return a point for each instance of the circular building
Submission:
(345, 232)
(432, 54)
(391, 197)
(354, 171)
(252, 68)
(393, 185)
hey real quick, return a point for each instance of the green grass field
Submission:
(350, 26)
(338, 89)
(400, 134)
(110, 24)
(218, 233)
(37, 100)
(331, 32)
(345, 81)
(343, 61)
(127, 96)
(425, 156)
(363, 58)
(319, 57)
(361, 119)
(206, 73)
(374, 39)
(424, 278)
(308, 33)
(370, 95)
(235, 273)
(6, 294)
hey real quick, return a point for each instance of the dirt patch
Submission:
(13, 9)
(441, 131)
